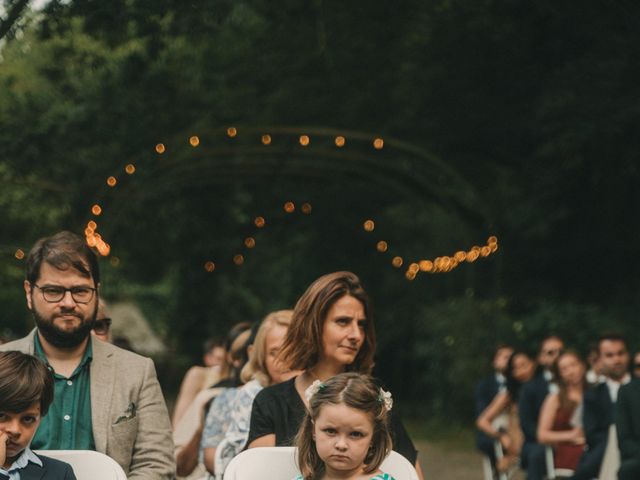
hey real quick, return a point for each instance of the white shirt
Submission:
(25, 457)
(614, 386)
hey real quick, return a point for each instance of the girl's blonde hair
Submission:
(356, 391)
(256, 367)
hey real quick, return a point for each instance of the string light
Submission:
(249, 242)
(160, 148)
(259, 222)
(369, 225)
(194, 141)
(378, 143)
(238, 259)
(96, 209)
(289, 207)
(232, 132)
(19, 254)
(209, 266)
(92, 225)
(266, 139)
(340, 141)
(304, 140)
(382, 246)
(111, 181)
(397, 262)
(130, 169)
(306, 208)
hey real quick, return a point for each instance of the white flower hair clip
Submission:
(386, 399)
(312, 389)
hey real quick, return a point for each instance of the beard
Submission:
(61, 338)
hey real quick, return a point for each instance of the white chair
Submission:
(279, 463)
(87, 464)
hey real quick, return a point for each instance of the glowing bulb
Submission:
(111, 181)
(96, 209)
(340, 141)
(92, 225)
(19, 254)
(232, 131)
(369, 225)
(289, 207)
(382, 246)
(378, 143)
(460, 256)
(492, 239)
(411, 276)
(306, 208)
(160, 148)
(259, 222)
(266, 139)
(238, 259)
(91, 240)
(209, 266)
(130, 169)
(194, 141)
(88, 231)
(304, 140)
(485, 251)
(414, 268)
(249, 242)
(426, 265)
(397, 262)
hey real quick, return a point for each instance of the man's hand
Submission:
(4, 438)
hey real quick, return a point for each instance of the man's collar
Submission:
(39, 351)
(623, 381)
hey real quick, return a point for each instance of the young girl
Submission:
(345, 433)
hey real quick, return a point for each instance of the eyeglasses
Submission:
(101, 326)
(56, 294)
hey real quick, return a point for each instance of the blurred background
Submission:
(230, 152)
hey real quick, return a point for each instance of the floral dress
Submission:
(380, 476)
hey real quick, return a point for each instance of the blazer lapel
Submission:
(32, 472)
(102, 382)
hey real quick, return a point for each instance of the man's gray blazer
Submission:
(128, 412)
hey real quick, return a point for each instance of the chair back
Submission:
(279, 463)
(87, 464)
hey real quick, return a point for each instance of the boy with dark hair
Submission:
(26, 392)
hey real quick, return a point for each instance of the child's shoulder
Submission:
(53, 466)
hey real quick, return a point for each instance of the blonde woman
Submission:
(263, 369)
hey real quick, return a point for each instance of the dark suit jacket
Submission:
(597, 416)
(485, 391)
(627, 418)
(531, 397)
(51, 469)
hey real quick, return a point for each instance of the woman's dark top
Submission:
(278, 409)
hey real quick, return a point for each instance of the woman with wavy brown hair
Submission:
(331, 332)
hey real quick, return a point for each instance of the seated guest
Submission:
(635, 366)
(26, 392)
(485, 392)
(331, 332)
(599, 401)
(520, 369)
(263, 369)
(531, 398)
(560, 421)
(214, 353)
(627, 418)
(198, 378)
(207, 418)
(102, 325)
(105, 398)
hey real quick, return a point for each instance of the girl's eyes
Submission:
(357, 434)
(330, 431)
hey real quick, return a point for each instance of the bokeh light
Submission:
(266, 139)
(194, 141)
(259, 222)
(378, 143)
(289, 207)
(382, 246)
(249, 242)
(130, 169)
(111, 181)
(369, 225)
(304, 140)
(92, 225)
(232, 131)
(160, 148)
(19, 254)
(340, 141)
(397, 262)
(306, 208)
(238, 259)
(209, 266)
(96, 209)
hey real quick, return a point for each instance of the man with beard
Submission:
(106, 399)
(599, 403)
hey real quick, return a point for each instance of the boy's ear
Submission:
(27, 292)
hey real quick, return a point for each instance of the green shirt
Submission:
(67, 425)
